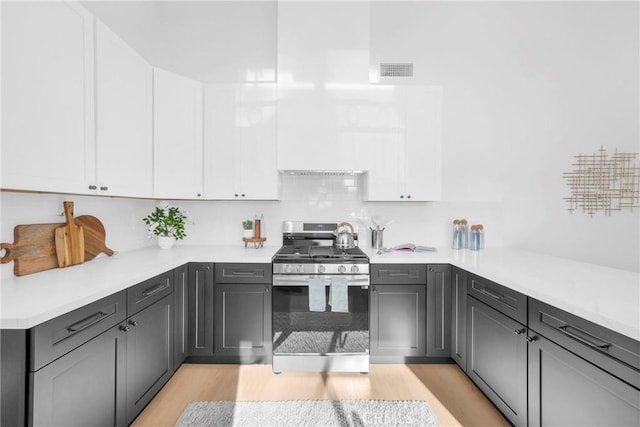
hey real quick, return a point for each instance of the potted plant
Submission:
(168, 223)
(247, 229)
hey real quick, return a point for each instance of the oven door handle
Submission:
(304, 281)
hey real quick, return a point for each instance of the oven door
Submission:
(299, 331)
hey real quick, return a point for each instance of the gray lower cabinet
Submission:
(243, 322)
(397, 326)
(149, 354)
(459, 317)
(438, 310)
(102, 363)
(181, 315)
(497, 359)
(242, 314)
(86, 387)
(580, 373)
(565, 389)
(200, 305)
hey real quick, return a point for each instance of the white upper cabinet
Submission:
(240, 142)
(177, 136)
(405, 159)
(124, 102)
(47, 97)
(323, 82)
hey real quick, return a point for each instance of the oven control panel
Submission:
(305, 268)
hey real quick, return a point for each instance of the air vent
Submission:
(396, 70)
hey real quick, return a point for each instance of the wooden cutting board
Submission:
(94, 237)
(34, 247)
(69, 240)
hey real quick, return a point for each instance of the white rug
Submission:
(314, 413)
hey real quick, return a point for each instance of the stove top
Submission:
(308, 242)
(319, 254)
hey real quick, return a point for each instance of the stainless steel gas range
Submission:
(320, 302)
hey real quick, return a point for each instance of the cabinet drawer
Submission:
(58, 336)
(503, 299)
(398, 274)
(146, 293)
(243, 273)
(595, 343)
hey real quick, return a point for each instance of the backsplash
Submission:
(311, 198)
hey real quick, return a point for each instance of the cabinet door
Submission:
(398, 320)
(200, 296)
(564, 389)
(124, 89)
(438, 310)
(177, 136)
(407, 162)
(47, 97)
(497, 359)
(86, 387)
(423, 144)
(243, 321)
(240, 142)
(181, 312)
(149, 354)
(459, 317)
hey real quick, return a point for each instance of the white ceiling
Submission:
(210, 41)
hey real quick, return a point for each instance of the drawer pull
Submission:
(86, 322)
(584, 337)
(243, 273)
(518, 331)
(398, 274)
(155, 290)
(492, 294)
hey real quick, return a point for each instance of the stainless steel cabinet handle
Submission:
(243, 273)
(492, 294)
(584, 337)
(518, 331)
(154, 290)
(93, 187)
(86, 322)
(133, 322)
(104, 188)
(531, 339)
(266, 289)
(398, 274)
(125, 328)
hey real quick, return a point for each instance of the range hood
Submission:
(323, 87)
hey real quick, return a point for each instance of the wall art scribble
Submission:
(604, 183)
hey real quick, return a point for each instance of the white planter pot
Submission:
(247, 234)
(166, 242)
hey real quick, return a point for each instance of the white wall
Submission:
(527, 86)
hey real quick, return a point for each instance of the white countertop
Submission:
(606, 296)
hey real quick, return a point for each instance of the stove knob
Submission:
(342, 269)
(300, 268)
(287, 268)
(354, 269)
(321, 269)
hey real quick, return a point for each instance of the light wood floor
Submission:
(453, 397)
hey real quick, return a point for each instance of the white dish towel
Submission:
(339, 295)
(317, 298)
